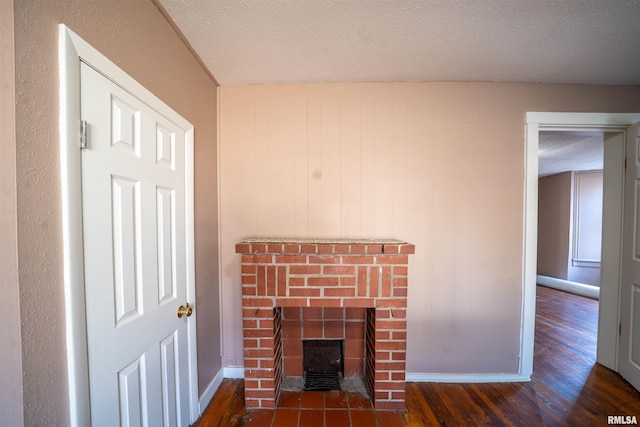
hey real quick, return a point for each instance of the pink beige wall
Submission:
(10, 354)
(440, 165)
(136, 36)
(554, 220)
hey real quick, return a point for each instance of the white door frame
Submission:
(71, 50)
(549, 121)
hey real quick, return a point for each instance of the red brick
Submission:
(291, 313)
(257, 302)
(250, 343)
(348, 282)
(399, 356)
(248, 279)
(382, 335)
(398, 376)
(400, 292)
(393, 302)
(271, 281)
(390, 385)
(312, 313)
(389, 405)
(312, 329)
(392, 259)
(266, 342)
(291, 259)
(325, 249)
(400, 270)
(391, 345)
(271, 403)
(256, 333)
(262, 280)
(282, 281)
(267, 363)
(250, 384)
(267, 384)
(354, 349)
(386, 281)
(251, 403)
(374, 249)
(266, 324)
(322, 281)
(358, 249)
(308, 249)
(381, 355)
(259, 394)
(398, 314)
(359, 260)
(333, 313)
(354, 330)
(324, 259)
(326, 302)
(291, 329)
(256, 312)
(374, 281)
(249, 323)
(291, 302)
(408, 249)
(391, 324)
(390, 249)
(250, 363)
(382, 376)
(383, 314)
(275, 248)
(355, 313)
(243, 248)
(297, 281)
(391, 366)
(339, 292)
(342, 270)
(398, 395)
(257, 259)
(249, 290)
(305, 269)
(359, 302)
(304, 292)
(258, 373)
(333, 329)
(248, 269)
(362, 281)
(291, 249)
(252, 352)
(340, 249)
(399, 282)
(399, 335)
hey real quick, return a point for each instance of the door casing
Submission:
(608, 325)
(71, 50)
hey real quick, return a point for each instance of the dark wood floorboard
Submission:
(567, 387)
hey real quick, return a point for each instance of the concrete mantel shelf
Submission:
(324, 246)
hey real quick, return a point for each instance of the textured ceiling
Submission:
(549, 41)
(569, 151)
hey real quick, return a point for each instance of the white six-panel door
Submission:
(630, 293)
(133, 201)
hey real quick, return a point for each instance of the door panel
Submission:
(630, 293)
(134, 222)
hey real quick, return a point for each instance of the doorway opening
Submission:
(570, 217)
(613, 125)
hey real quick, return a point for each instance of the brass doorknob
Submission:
(184, 311)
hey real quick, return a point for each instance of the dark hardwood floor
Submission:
(567, 388)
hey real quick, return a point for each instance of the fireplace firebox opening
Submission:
(323, 364)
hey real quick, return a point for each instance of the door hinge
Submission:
(83, 134)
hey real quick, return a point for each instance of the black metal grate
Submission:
(322, 381)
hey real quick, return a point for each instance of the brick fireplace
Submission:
(297, 289)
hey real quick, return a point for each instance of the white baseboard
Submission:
(235, 372)
(466, 378)
(588, 291)
(211, 389)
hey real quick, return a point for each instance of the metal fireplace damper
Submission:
(323, 364)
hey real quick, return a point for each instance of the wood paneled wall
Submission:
(440, 165)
